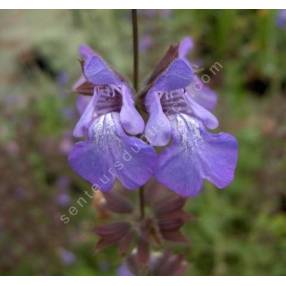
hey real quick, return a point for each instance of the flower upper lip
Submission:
(175, 52)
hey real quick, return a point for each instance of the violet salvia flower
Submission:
(108, 118)
(179, 112)
(67, 256)
(146, 42)
(281, 18)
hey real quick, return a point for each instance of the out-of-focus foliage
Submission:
(238, 231)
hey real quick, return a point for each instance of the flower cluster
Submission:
(180, 114)
(179, 111)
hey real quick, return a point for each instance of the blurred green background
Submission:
(238, 231)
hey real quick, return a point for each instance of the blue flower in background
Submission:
(281, 18)
(67, 257)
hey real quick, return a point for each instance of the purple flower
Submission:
(66, 143)
(281, 18)
(107, 120)
(62, 80)
(154, 13)
(123, 270)
(67, 256)
(63, 197)
(179, 111)
(159, 264)
(146, 43)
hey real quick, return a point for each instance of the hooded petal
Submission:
(95, 69)
(110, 153)
(174, 70)
(177, 75)
(196, 155)
(130, 118)
(158, 128)
(185, 46)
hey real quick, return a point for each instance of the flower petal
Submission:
(82, 102)
(185, 46)
(123, 270)
(158, 128)
(202, 94)
(138, 158)
(209, 120)
(130, 118)
(87, 159)
(196, 155)
(173, 71)
(177, 75)
(110, 153)
(96, 69)
(82, 125)
(85, 51)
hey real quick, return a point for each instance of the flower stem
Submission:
(136, 86)
(142, 203)
(135, 49)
